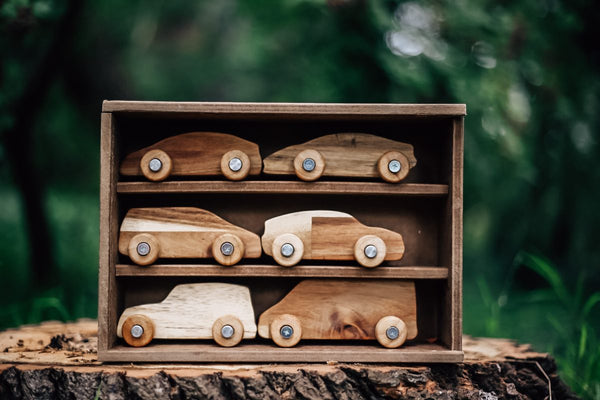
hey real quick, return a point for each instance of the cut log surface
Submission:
(56, 360)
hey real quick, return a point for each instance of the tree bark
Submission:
(58, 360)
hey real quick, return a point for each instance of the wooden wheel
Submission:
(309, 165)
(235, 165)
(156, 165)
(287, 249)
(391, 332)
(138, 330)
(285, 330)
(369, 251)
(228, 331)
(228, 249)
(143, 249)
(393, 166)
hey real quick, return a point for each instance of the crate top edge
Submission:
(331, 109)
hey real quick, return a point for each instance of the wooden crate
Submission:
(426, 209)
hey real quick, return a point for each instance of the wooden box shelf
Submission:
(426, 208)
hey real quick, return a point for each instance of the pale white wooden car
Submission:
(219, 311)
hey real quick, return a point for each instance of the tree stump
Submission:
(57, 360)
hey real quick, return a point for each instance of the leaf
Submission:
(590, 303)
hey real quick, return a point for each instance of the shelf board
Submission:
(284, 187)
(268, 352)
(309, 271)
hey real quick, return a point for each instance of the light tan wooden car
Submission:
(219, 311)
(328, 235)
(335, 309)
(195, 154)
(184, 232)
(344, 154)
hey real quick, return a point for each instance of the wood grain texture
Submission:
(345, 154)
(285, 187)
(190, 311)
(344, 309)
(107, 285)
(265, 109)
(328, 235)
(196, 154)
(183, 232)
(305, 271)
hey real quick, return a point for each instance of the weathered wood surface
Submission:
(56, 360)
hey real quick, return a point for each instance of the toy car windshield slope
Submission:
(184, 232)
(195, 154)
(343, 309)
(218, 311)
(328, 235)
(344, 154)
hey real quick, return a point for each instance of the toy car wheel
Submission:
(391, 332)
(228, 249)
(309, 165)
(285, 330)
(393, 166)
(228, 331)
(143, 249)
(235, 165)
(287, 249)
(369, 251)
(156, 165)
(138, 330)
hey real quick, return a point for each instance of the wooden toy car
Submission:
(195, 154)
(344, 154)
(328, 235)
(385, 310)
(184, 232)
(219, 311)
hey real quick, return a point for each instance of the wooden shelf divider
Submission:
(309, 271)
(284, 187)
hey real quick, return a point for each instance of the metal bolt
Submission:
(309, 164)
(392, 333)
(394, 166)
(155, 165)
(227, 331)
(235, 164)
(286, 331)
(370, 251)
(227, 248)
(137, 331)
(287, 250)
(143, 248)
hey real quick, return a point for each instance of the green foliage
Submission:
(527, 70)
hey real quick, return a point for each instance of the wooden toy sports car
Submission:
(195, 154)
(328, 235)
(184, 232)
(219, 311)
(344, 154)
(385, 310)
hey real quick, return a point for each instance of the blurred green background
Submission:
(527, 70)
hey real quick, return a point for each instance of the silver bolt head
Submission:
(137, 331)
(143, 249)
(227, 331)
(392, 333)
(394, 166)
(155, 165)
(309, 164)
(235, 164)
(286, 331)
(227, 248)
(370, 251)
(287, 250)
